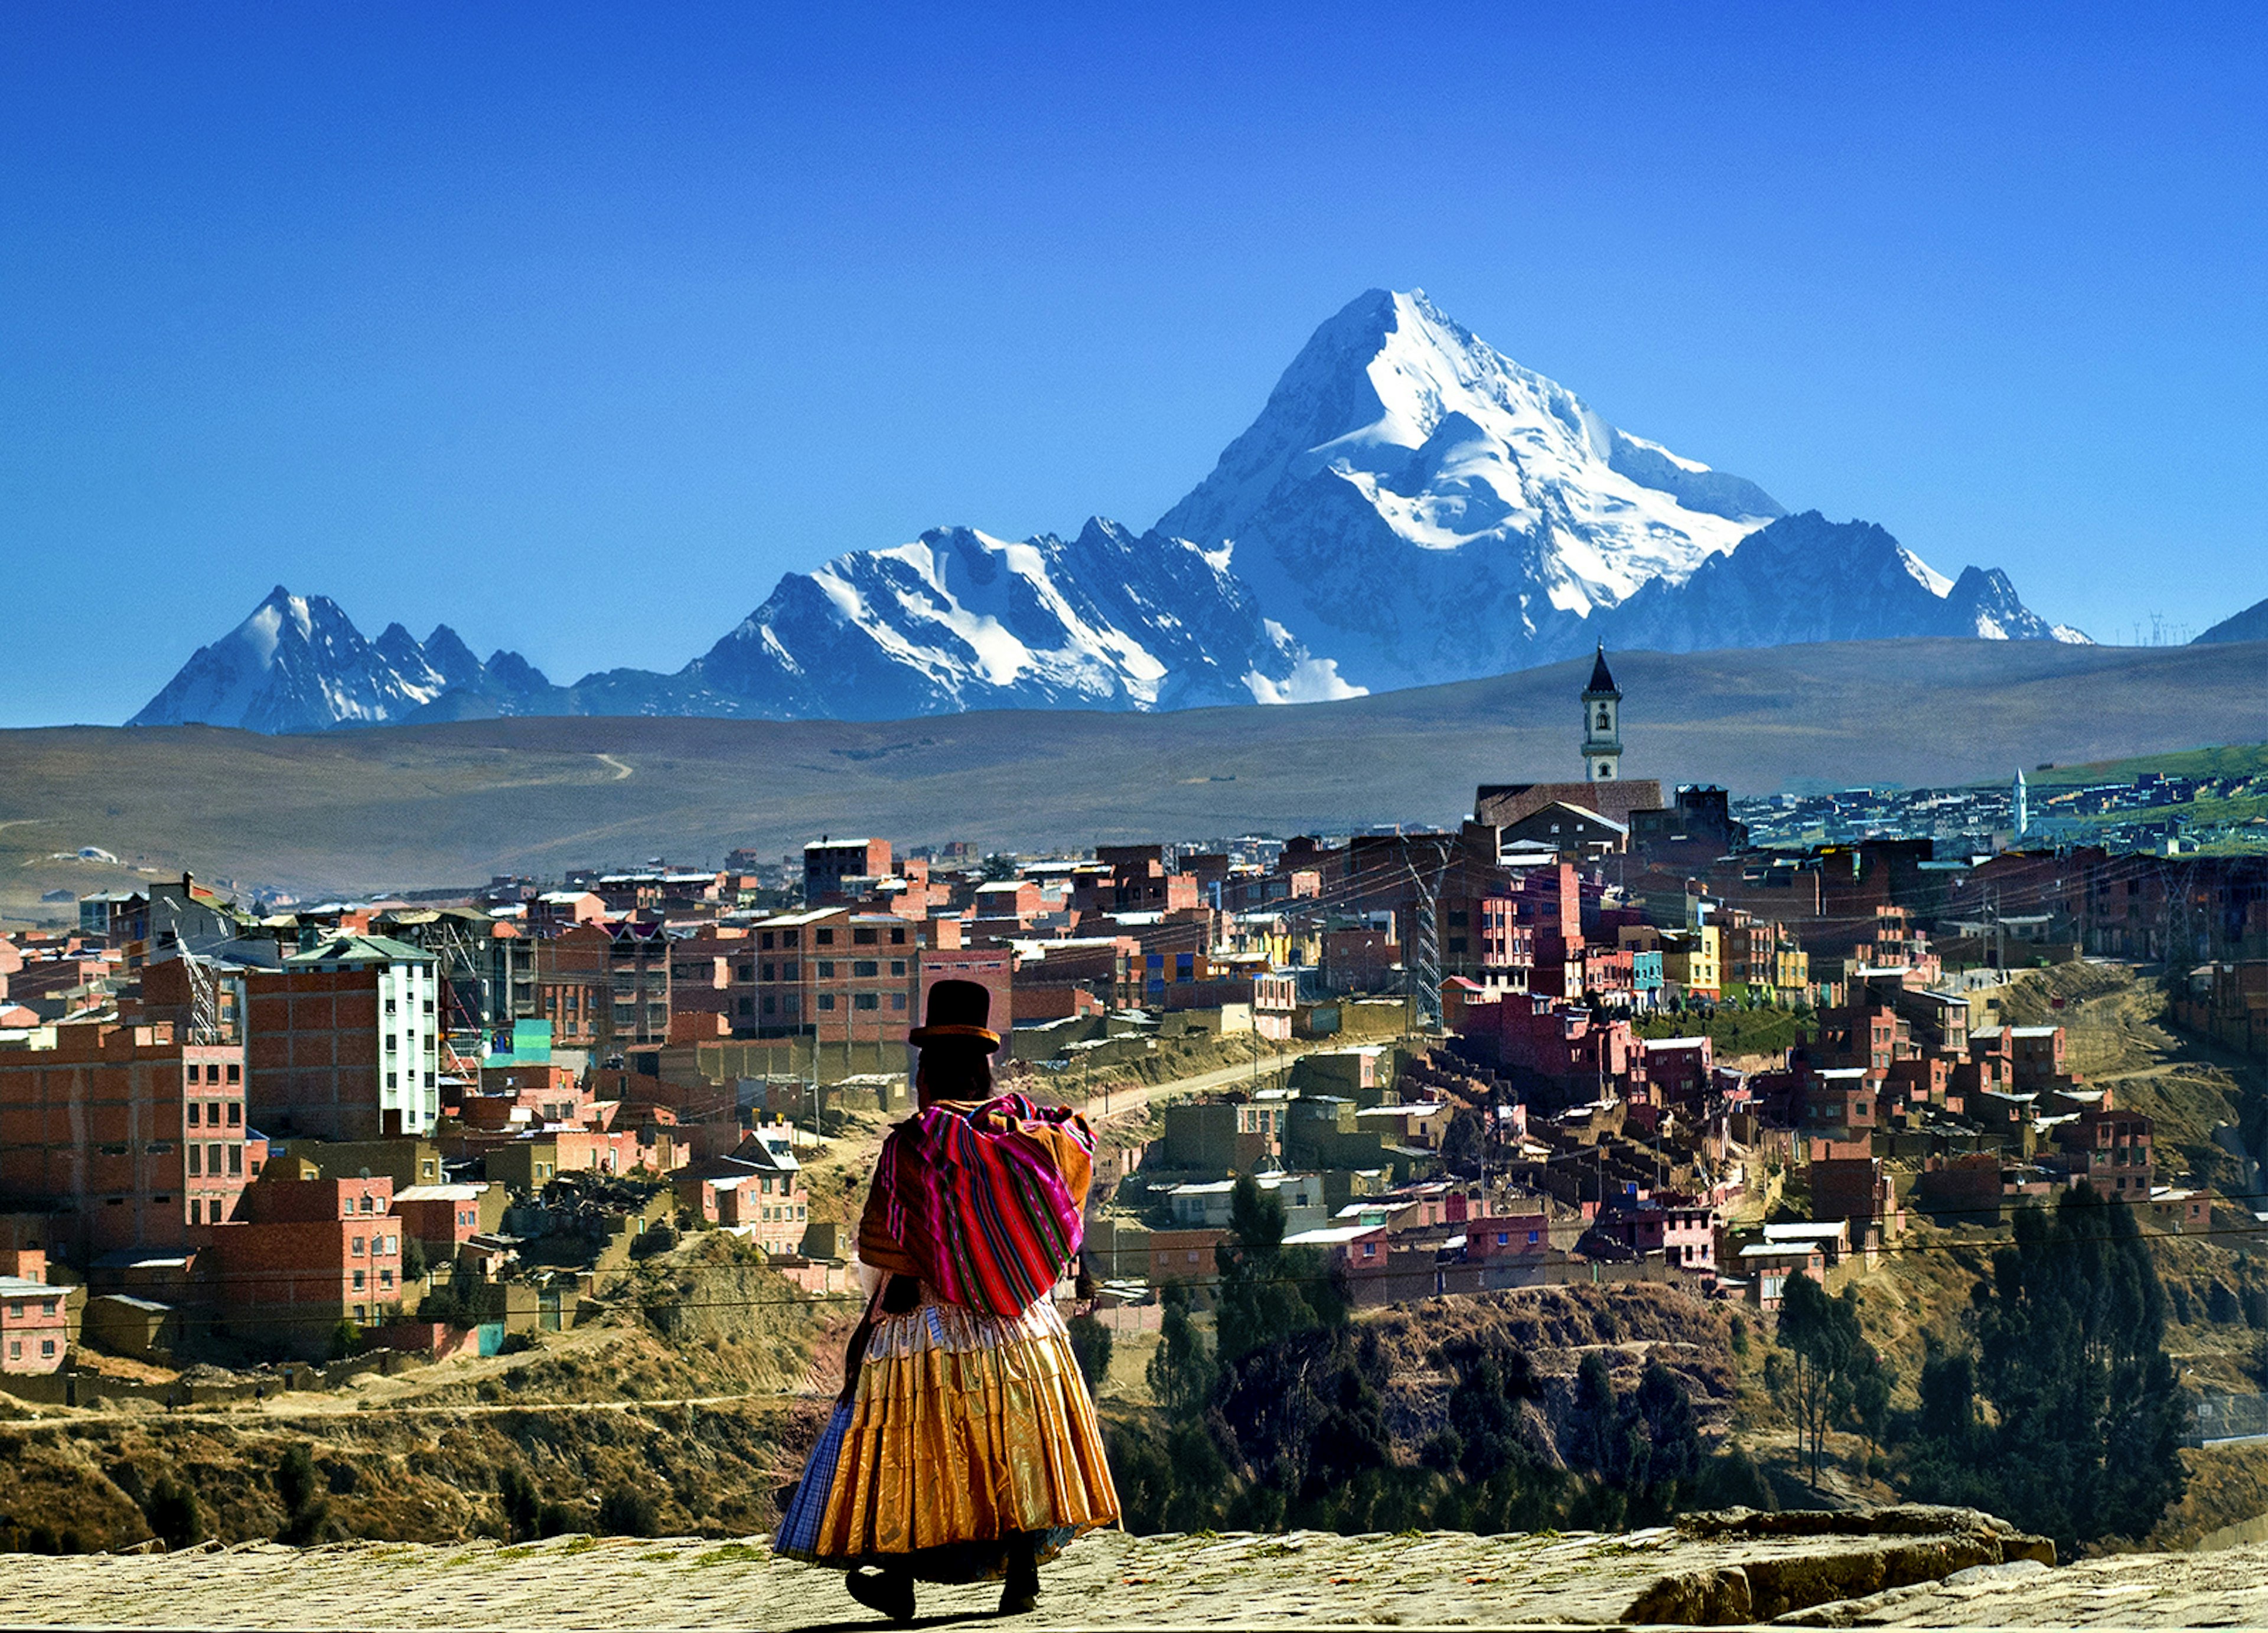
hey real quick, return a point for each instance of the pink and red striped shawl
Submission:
(981, 1203)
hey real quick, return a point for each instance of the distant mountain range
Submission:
(2251, 624)
(1410, 507)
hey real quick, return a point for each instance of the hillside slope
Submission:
(408, 807)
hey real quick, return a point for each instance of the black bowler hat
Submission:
(958, 1009)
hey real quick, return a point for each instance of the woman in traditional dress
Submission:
(964, 1448)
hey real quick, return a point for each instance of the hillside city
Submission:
(1459, 1061)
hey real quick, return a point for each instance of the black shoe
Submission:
(887, 1592)
(1020, 1595)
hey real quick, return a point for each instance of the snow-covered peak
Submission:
(297, 662)
(1403, 451)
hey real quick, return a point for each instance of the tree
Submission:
(174, 1514)
(1181, 1372)
(2070, 1353)
(307, 1510)
(1090, 1345)
(1267, 1292)
(1819, 1337)
(413, 1260)
(626, 1511)
(1673, 1457)
(346, 1340)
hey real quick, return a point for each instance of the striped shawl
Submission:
(981, 1203)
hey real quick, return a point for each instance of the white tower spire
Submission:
(1602, 708)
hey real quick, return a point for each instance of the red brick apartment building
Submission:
(835, 974)
(827, 863)
(140, 1133)
(34, 1325)
(308, 1254)
(343, 1042)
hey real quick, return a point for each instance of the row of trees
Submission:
(2059, 1409)
(1283, 1421)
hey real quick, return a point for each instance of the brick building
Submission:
(34, 1325)
(344, 1042)
(306, 1255)
(828, 864)
(140, 1133)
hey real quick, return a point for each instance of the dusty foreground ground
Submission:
(1834, 1578)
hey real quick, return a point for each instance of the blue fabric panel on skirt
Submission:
(799, 1528)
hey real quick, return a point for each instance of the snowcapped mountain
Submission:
(961, 620)
(1410, 506)
(1806, 579)
(298, 664)
(1422, 508)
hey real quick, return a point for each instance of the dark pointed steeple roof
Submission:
(1603, 683)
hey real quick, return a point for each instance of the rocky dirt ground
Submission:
(1839, 1570)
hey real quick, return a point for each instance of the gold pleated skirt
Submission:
(966, 1431)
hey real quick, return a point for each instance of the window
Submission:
(827, 1000)
(862, 938)
(358, 1313)
(16, 1349)
(235, 1113)
(392, 1080)
(827, 969)
(197, 1210)
(788, 970)
(195, 1172)
(47, 1307)
(897, 938)
(866, 969)
(897, 967)
(190, 1112)
(386, 1279)
(357, 1248)
(771, 1004)
(47, 1346)
(361, 1278)
(867, 1000)
(897, 1000)
(366, 1207)
(235, 1162)
(767, 972)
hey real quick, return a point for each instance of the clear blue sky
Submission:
(575, 329)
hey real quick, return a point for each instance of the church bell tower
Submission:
(1602, 708)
